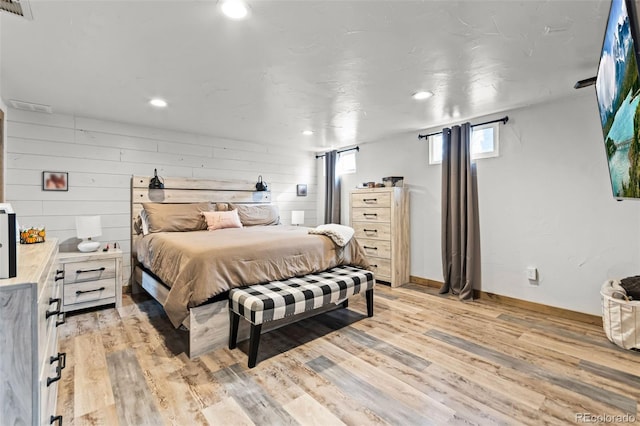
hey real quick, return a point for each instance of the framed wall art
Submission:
(55, 181)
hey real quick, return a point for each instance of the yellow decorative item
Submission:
(32, 235)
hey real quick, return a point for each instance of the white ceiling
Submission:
(345, 69)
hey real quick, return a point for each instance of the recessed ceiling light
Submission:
(422, 95)
(234, 9)
(157, 102)
(307, 132)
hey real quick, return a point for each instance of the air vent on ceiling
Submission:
(17, 7)
(29, 106)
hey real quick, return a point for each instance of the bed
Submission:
(190, 272)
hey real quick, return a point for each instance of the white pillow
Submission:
(221, 220)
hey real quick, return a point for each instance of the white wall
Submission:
(545, 202)
(101, 157)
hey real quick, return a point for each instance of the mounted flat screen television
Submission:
(618, 95)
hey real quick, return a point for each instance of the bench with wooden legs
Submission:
(276, 300)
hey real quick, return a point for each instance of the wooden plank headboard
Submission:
(189, 190)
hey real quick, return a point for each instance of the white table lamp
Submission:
(297, 217)
(88, 227)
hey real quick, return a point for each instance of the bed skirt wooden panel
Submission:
(207, 325)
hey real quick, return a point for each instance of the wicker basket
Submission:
(620, 316)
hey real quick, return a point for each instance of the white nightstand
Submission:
(91, 279)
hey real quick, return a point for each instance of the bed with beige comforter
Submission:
(199, 265)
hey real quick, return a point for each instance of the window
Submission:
(484, 143)
(346, 163)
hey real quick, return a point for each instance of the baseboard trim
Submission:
(425, 281)
(519, 303)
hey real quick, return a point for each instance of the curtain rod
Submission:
(502, 120)
(356, 148)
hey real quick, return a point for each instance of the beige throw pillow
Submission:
(257, 214)
(175, 217)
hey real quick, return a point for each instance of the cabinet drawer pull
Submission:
(62, 363)
(79, 292)
(61, 358)
(370, 230)
(370, 248)
(82, 271)
(59, 274)
(369, 200)
(63, 320)
(370, 214)
(57, 310)
(54, 419)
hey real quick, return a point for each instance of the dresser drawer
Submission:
(371, 214)
(49, 312)
(89, 291)
(371, 199)
(380, 267)
(77, 272)
(50, 377)
(376, 231)
(376, 248)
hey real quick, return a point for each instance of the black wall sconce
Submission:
(156, 182)
(261, 185)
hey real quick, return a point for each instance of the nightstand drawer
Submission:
(89, 291)
(78, 272)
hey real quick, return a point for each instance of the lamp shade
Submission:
(297, 217)
(88, 226)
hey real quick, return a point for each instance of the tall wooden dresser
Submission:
(380, 218)
(30, 312)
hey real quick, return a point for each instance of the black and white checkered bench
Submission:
(275, 300)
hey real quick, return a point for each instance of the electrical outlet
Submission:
(532, 275)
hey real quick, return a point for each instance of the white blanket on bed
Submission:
(340, 234)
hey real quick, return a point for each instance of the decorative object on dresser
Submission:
(88, 227)
(30, 364)
(33, 235)
(91, 279)
(380, 218)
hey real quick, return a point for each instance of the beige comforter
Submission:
(201, 264)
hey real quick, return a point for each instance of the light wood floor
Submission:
(422, 359)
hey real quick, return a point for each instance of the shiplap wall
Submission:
(101, 157)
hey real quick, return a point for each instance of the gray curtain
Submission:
(460, 242)
(332, 188)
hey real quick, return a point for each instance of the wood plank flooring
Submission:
(421, 359)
